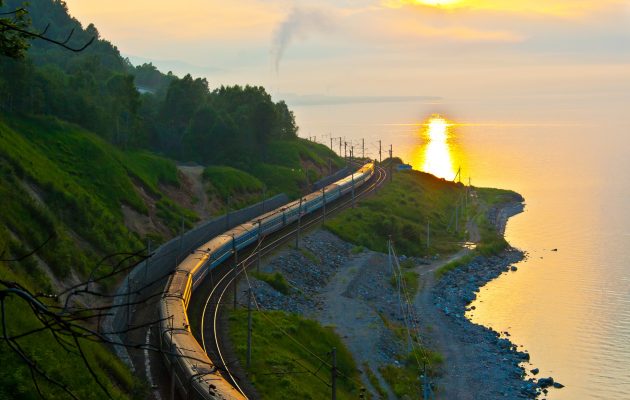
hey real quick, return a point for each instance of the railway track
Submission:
(219, 282)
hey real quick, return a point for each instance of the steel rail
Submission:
(233, 273)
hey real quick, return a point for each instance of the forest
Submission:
(134, 107)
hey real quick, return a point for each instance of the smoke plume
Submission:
(299, 24)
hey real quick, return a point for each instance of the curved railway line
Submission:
(207, 272)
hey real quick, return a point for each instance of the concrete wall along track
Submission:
(157, 271)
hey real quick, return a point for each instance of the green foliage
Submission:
(491, 242)
(273, 351)
(228, 181)
(281, 179)
(492, 197)
(401, 209)
(411, 280)
(450, 266)
(13, 43)
(357, 249)
(150, 169)
(290, 153)
(70, 183)
(312, 257)
(275, 280)
(404, 379)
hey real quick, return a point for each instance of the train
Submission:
(194, 374)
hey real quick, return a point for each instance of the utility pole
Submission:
(324, 204)
(391, 162)
(331, 139)
(308, 183)
(352, 151)
(249, 329)
(234, 250)
(333, 373)
(297, 237)
(353, 190)
(259, 241)
(379, 152)
(457, 216)
(345, 149)
(363, 149)
(426, 388)
(339, 146)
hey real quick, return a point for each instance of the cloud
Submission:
(316, 100)
(459, 33)
(299, 24)
(559, 8)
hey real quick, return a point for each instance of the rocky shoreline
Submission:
(339, 285)
(501, 363)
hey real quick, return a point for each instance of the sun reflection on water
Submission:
(436, 158)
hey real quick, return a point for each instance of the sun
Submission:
(438, 3)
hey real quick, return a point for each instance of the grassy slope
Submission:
(56, 178)
(289, 162)
(491, 242)
(81, 182)
(401, 209)
(289, 166)
(272, 351)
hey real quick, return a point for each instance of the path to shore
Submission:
(455, 382)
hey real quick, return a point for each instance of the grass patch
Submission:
(274, 354)
(151, 169)
(401, 209)
(227, 181)
(357, 250)
(491, 243)
(404, 379)
(280, 179)
(310, 256)
(276, 280)
(291, 153)
(411, 280)
(493, 197)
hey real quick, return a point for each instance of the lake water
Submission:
(571, 308)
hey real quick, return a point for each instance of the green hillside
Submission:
(88, 166)
(401, 210)
(61, 181)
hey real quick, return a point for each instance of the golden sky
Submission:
(450, 48)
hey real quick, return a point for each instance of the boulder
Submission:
(535, 371)
(545, 382)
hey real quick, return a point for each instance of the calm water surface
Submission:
(571, 308)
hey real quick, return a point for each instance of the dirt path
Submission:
(355, 320)
(455, 381)
(194, 175)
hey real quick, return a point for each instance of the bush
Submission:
(275, 280)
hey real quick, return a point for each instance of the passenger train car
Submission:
(195, 374)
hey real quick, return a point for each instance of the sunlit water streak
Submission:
(570, 309)
(436, 156)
